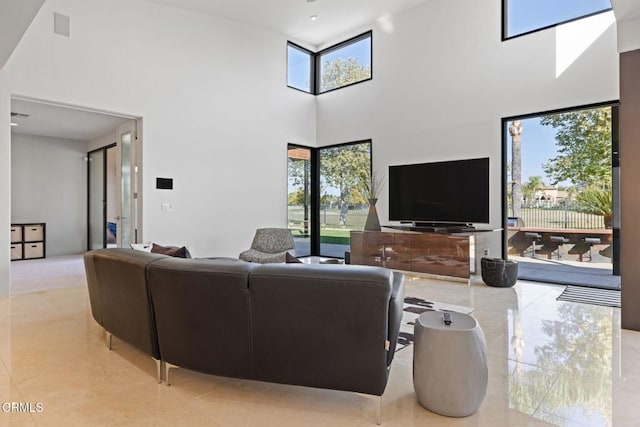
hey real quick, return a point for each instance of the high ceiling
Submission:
(335, 18)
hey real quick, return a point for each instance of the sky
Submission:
(528, 15)
(538, 147)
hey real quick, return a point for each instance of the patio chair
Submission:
(269, 245)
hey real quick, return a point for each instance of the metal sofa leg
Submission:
(158, 369)
(168, 366)
(379, 410)
(109, 340)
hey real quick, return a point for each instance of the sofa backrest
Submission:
(202, 314)
(321, 326)
(119, 295)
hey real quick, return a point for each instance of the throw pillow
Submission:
(290, 259)
(173, 251)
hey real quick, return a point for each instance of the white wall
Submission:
(5, 185)
(442, 81)
(629, 35)
(102, 141)
(217, 112)
(49, 184)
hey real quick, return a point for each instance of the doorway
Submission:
(49, 183)
(561, 195)
(113, 213)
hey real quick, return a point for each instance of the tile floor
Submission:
(550, 363)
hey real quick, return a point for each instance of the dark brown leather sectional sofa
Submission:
(324, 326)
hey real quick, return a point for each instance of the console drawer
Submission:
(33, 250)
(16, 251)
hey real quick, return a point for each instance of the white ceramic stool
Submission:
(449, 364)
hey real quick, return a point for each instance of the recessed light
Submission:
(314, 17)
(14, 124)
(310, 1)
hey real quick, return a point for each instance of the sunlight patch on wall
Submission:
(573, 39)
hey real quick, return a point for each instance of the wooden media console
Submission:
(439, 252)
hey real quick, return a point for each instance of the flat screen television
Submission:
(450, 192)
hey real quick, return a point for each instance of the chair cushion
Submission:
(273, 240)
(251, 255)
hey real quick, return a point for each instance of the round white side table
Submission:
(449, 364)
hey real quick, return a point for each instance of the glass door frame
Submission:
(615, 172)
(104, 194)
(315, 180)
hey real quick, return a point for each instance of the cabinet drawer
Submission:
(16, 233)
(33, 250)
(16, 251)
(33, 233)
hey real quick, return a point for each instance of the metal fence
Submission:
(559, 216)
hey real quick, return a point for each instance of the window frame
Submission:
(316, 61)
(312, 62)
(338, 46)
(315, 187)
(505, 22)
(615, 162)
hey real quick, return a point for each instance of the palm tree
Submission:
(535, 183)
(516, 167)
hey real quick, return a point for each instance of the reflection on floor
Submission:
(549, 362)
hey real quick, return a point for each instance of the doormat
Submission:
(414, 307)
(581, 294)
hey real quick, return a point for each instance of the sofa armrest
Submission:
(396, 305)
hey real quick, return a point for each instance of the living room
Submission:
(218, 115)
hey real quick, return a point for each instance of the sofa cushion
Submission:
(203, 315)
(321, 325)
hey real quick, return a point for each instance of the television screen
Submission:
(440, 192)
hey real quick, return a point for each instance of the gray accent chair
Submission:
(269, 246)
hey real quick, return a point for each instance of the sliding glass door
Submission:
(299, 197)
(343, 208)
(325, 196)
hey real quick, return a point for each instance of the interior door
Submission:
(113, 202)
(97, 199)
(127, 191)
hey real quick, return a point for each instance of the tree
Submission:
(516, 167)
(340, 72)
(296, 198)
(529, 189)
(343, 167)
(584, 147)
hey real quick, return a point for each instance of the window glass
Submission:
(343, 204)
(345, 64)
(524, 16)
(298, 68)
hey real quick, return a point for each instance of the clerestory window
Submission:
(337, 66)
(522, 17)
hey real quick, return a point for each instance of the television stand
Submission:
(422, 251)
